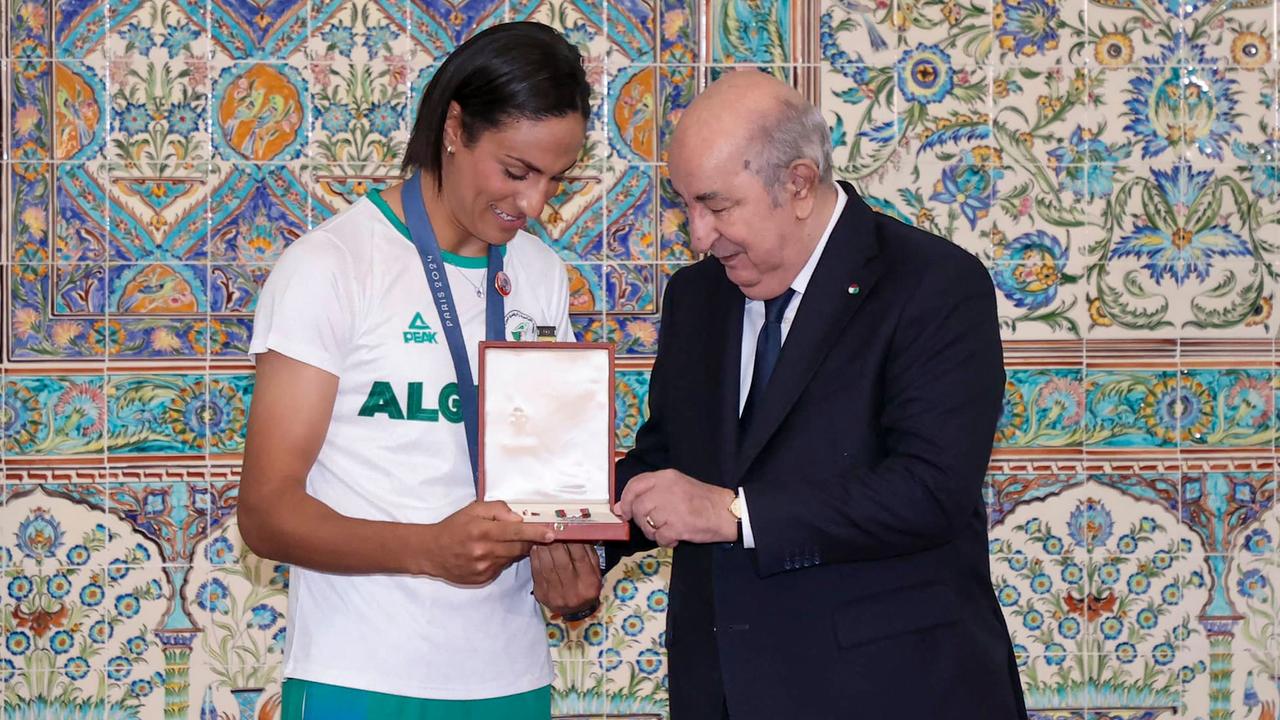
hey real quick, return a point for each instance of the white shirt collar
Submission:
(802, 280)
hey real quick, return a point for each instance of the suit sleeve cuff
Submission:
(748, 540)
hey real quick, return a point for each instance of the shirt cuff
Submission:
(748, 540)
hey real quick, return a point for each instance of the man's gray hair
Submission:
(792, 131)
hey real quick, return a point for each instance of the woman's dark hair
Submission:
(519, 70)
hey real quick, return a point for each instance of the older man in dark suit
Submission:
(822, 410)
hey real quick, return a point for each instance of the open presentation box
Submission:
(546, 435)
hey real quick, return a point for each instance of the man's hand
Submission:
(566, 576)
(475, 544)
(671, 507)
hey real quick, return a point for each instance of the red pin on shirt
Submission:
(502, 282)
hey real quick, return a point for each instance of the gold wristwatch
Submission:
(735, 509)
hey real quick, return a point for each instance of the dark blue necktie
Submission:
(768, 347)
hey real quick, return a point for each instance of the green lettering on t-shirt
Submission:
(451, 403)
(382, 400)
(416, 411)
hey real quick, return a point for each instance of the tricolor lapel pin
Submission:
(854, 289)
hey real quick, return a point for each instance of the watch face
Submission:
(735, 507)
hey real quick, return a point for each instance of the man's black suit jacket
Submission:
(868, 592)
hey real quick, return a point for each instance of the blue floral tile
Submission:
(329, 189)
(1039, 293)
(219, 698)
(579, 687)
(78, 27)
(1221, 507)
(1086, 581)
(583, 23)
(1044, 114)
(1004, 492)
(630, 406)
(160, 117)
(634, 96)
(677, 85)
(1239, 408)
(363, 31)
(1128, 35)
(255, 212)
(866, 30)
(78, 128)
(1249, 592)
(848, 81)
(573, 221)
(1132, 408)
(178, 414)
(586, 288)
(158, 288)
(234, 288)
(1115, 166)
(673, 226)
(751, 33)
(35, 334)
(173, 519)
(79, 288)
(632, 215)
(172, 29)
(267, 31)
(361, 111)
(634, 608)
(588, 328)
(1255, 101)
(1153, 488)
(30, 122)
(957, 199)
(438, 27)
(76, 231)
(229, 387)
(631, 288)
(633, 335)
(28, 25)
(966, 24)
(150, 414)
(1043, 408)
(259, 111)
(1234, 298)
(54, 415)
(633, 31)
(241, 599)
(677, 31)
(1041, 33)
(228, 336)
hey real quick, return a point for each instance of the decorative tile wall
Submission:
(1116, 164)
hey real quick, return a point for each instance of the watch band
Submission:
(582, 614)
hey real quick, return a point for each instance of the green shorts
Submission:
(306, 700)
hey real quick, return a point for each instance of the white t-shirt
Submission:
(350, 297)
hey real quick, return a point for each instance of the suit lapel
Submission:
(731, 306)
(848, 261)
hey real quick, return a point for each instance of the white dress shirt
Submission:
(753, 320)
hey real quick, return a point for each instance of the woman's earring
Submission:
(449, 149)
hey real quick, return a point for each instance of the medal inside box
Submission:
(546, 435)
